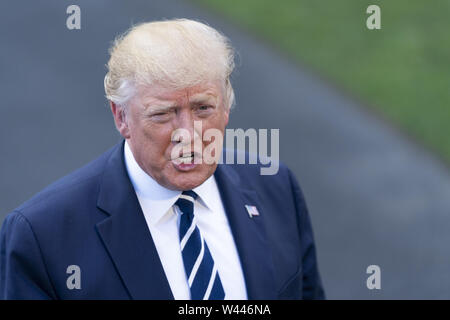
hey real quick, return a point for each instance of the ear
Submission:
(120, 120)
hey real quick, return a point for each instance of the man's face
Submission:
(152, 117)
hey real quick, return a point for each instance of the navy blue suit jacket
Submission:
(92, 219)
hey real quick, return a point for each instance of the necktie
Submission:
(203, 277)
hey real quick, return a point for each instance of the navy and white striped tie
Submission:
(203, 277)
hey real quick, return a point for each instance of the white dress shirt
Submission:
(162, 220)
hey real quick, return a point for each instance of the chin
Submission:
(188, 181)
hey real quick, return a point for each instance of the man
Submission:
(153, 218)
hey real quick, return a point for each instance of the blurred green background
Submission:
(401, 72)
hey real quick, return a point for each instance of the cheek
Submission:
(218, 121)
(223, 119)
(157, 138)
(151, 131)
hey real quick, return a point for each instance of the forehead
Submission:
(198, 93)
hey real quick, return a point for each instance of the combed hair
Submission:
(177, 54)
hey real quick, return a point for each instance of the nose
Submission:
(184, 120)
(186, 129)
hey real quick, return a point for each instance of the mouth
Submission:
(185, 158)
(187, 161)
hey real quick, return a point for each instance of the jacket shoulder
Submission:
(67, 191)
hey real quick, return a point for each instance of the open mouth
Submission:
(187, 158)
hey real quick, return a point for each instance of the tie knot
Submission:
(189, 193)
(186, 202)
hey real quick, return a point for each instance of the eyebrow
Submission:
(160, 108)
(202, 97)
(168, 106)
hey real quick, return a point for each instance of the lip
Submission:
(182, 164)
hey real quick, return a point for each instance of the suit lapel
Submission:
(249, 234)
(126, 236)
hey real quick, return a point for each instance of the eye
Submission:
(161, 116)
(205, 108)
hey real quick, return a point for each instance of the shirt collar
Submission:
(208, 194)
(158, 198)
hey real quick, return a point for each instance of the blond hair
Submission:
(177, 53)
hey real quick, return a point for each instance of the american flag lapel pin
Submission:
(252, 211)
